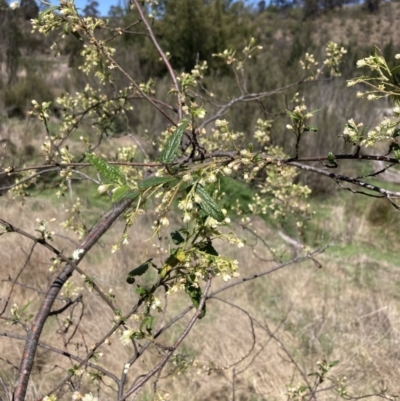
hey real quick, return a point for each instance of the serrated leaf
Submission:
(119, 193)
(194, 293)
(208, 204)
(171, 147)
(154, 181)
(111, 173)
(138, 271)
(133, 194)
(177, 238)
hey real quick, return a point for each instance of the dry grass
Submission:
(347, 311)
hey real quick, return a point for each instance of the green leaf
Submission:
(137, 335)
(77, 36)
(147, 323)
(132, 194)
(171, 147)
(177, 256)
(210, 249)
(66, 28)
(138, 271)
(331, 158)
(141, 291)
(107, 171)
(194, 293)
(208, 204)
(29, 317)
(119, 193)
(154, 181)
(24, 308)
(311, 128)
(177, 238)
(396, 133)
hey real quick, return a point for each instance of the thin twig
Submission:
(63, 353)
(17, 277)
(177, 343)
(162, 55)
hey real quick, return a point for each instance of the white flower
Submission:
(14, 5)
(187, 177)
(50, 398)
(197, 198)
(101, 189)
(211, 222)
(361, 63)
(221, 123)
(226, 277)
(90, 397)
(201, 113)
(397, 56)
(164, 221)
(156, 304)
(76, 254)
(126, 336)
(126, 368)
(211, 178)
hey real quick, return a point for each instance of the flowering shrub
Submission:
(180, 181)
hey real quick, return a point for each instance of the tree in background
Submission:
(372, 5)
(201, 29)
(91, 9)
(10, 43)
(28, 9)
